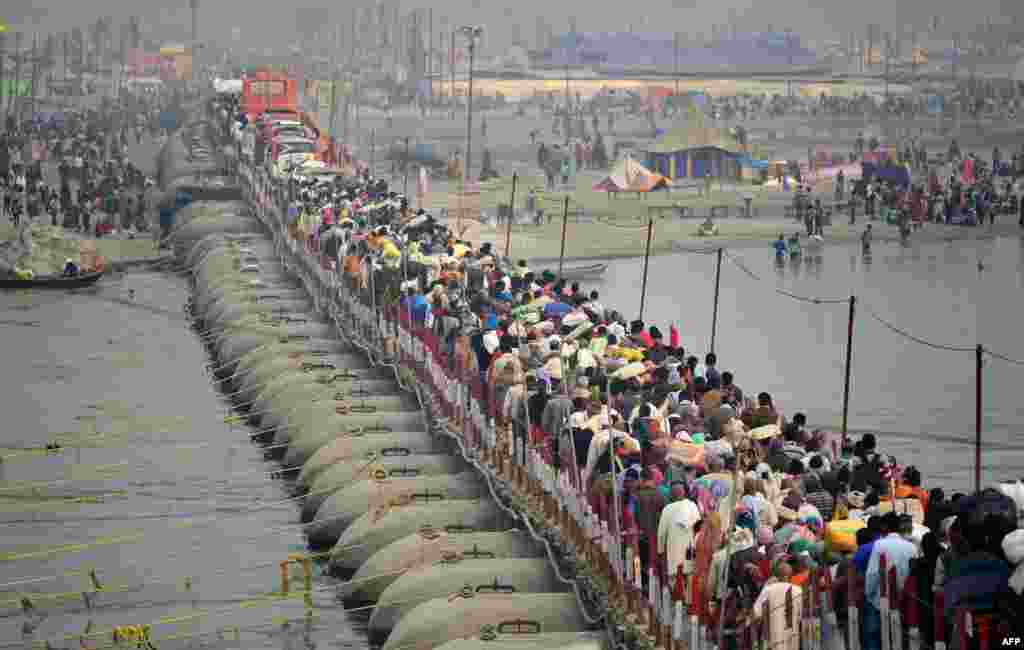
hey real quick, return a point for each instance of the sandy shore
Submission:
(599, 241)
(604, 228)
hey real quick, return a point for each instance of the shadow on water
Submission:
(922, 398)
(172, 506)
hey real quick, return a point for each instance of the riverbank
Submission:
(52, 245)
(598, 240)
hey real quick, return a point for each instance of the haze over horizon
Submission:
(274, 25)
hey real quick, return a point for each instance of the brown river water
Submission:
(174, 509)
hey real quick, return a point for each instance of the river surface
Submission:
(174, 508)
(920, 399)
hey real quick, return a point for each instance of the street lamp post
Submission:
(471, 34)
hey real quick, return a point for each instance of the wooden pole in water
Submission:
(647, 260)
(565, 224)
(979, 354)
(849, 367)
(714, 312)
(511, 216)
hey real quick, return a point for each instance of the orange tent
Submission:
(630, 176)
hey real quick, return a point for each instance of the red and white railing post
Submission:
(895, 611)
(912, 612)
(852, 610)
(883, 605)
(939, 621)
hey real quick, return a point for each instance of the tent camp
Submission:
(695, 150)
(628, 175)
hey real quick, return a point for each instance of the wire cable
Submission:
(679, 248)
(1002, 357)
(808, 299)
(916, 339)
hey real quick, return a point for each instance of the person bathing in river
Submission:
(865, 240)
(793, 246)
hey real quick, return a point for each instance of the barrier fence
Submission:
(667, 600)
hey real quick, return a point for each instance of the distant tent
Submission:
(630, 176)
(694, 151)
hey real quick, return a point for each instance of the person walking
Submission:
(1020, 203)
(819, 217)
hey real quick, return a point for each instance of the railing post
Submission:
(788, 620)
(912, 613)
(284, 577)
(883, 609)
(852, 611)
(831, 634)
(696, 611)
(939, 620)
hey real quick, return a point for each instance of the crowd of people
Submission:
(97, 190)
(704, 474)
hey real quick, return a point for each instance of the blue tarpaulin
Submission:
(166, 217)
(659, 50)
(892, 173)
(169, 120)
(747, 161)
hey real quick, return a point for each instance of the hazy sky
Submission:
(505, 22)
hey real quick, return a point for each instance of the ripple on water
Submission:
(165, 488)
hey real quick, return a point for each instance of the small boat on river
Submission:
(52, 281)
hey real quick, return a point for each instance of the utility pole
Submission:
(81, 67)
(17, 75)
(451, 71)
(568, 99)
(430, 50)
(888, 54)
(35, 74)
(789, 51)
(675, 64)
(3, 79)
(194, 5)
(472, 34)
(956, 56)
(568, 95)
(348, 77)
(334, 81)
(50, 53)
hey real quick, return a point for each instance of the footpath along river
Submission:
(920, 399)
(174, 508)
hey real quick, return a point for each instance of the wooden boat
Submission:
(588, 272)
(52, 281)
